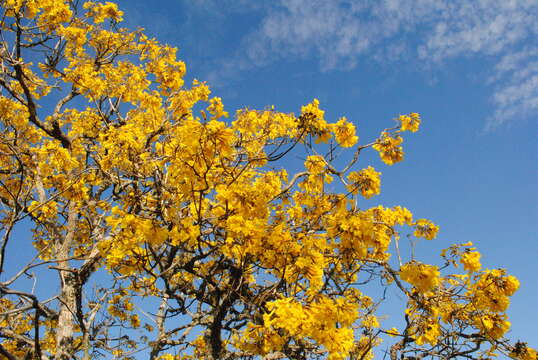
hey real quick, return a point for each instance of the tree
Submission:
(145, 202)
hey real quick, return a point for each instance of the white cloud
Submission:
(338, 29)
(331, 29)
(516, 93)
(342, 33)
(513, 61)
(480, 27)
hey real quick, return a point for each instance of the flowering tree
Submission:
(173, 233)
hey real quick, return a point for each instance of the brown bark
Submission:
(65, 330)
(70, 285)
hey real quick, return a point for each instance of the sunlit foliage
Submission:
(171, 229)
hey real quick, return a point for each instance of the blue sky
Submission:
(469, 67)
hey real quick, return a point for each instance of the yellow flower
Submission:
(366, 181)
(392, 332)
(493, 325)
(135, 321)
(410, 122)
(425, 229)
(510, 285)
(344, 133)
(370, 321)
(422, 276)
(315, 164)
(216, 108)
(100, 12)
(312, 120)
(312, 110)
(389, 148)
(429, 333)
(522, 352)
(471, 261)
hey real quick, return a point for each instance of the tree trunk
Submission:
(70, 288)
(65, 330)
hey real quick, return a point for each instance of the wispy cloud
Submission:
(516, 93)
(342, 33)
(483, 27)
(331, 30)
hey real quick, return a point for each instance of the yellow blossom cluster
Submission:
(50, 13)
(315, 164)
(19, 324)
(389, 148)
(344, 133)
(471, 261)
(425, 229)
(428, 333)
(216, 108)
(409, 122)
(313, 121)
(523, 352)
(494, 325)
(325, 320)
(492, 290)
(366, 181)
(101, 11)
(422, 276)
